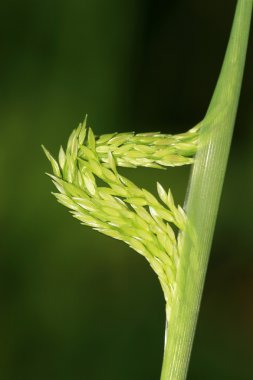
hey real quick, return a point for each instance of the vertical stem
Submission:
(203, 199)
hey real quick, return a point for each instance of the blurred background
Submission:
(75, 304)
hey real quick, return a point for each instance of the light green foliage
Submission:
(118, 208)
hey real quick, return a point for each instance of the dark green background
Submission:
(73, 303)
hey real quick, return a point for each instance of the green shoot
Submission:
(204, 196)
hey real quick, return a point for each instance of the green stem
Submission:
(203, 198)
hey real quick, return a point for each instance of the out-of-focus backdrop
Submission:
(73, 303)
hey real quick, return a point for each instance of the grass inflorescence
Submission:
(119, 208)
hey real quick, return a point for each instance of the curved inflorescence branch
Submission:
(118, 208)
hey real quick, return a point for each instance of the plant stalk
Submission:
(203, 198)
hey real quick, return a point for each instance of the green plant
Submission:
(176, 242)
